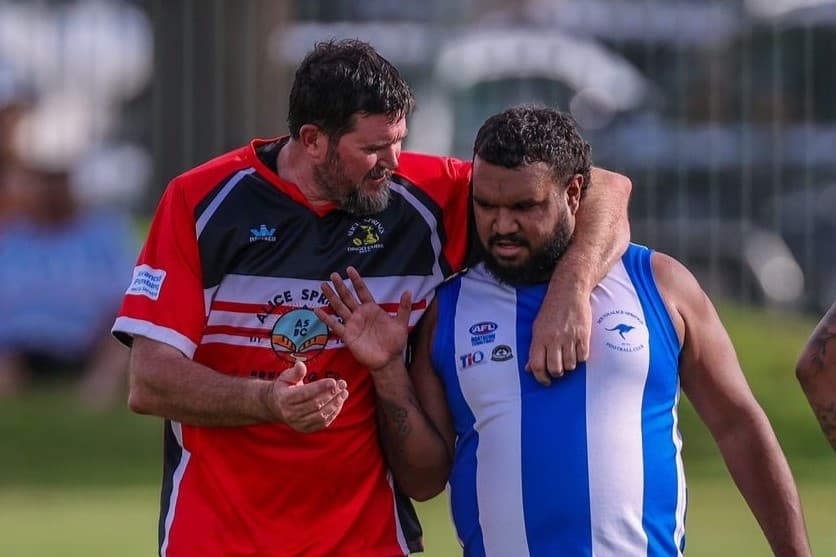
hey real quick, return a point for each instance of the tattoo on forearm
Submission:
(826, 414)
(393, 419)
(820, 343)
(396, 418)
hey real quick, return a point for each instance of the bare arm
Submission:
(816, 371)
(711, 377)
(563, 324)
(417, 431)
(164, 382)
(411, 420)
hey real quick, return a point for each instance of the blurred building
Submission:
(721, 111)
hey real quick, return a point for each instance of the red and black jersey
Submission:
(229, 275)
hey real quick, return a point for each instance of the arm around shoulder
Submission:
(602, 232)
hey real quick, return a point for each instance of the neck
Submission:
(295, 166)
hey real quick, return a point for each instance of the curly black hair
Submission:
(339, 79)
(529, 133)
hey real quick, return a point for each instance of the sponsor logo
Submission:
(262, 234)
(472, 359)
(365, 236)
(483, 333)
(623, 331)
(147, 281)
(502, 353)
(298, 335)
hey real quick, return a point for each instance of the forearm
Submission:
(762, 475)
(416, 452)
(816, 372)
(186, 391)
(602, 233)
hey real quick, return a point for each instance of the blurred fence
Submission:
(722, 112)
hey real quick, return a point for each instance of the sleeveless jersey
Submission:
(588, 466)
(229, 275)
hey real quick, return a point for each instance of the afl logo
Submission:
(483, 328)
(298, 335)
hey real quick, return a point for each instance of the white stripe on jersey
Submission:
(248, 289)
(175, 485)
(208, 297)
(497, 420)
(153, 331)
(614, 400)
(398, 526)
(682, 494)
(200, 225)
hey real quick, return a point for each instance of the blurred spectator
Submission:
(63, 265)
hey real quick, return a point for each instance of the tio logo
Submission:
(472, 359)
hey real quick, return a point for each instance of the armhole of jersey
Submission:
(443, 341)
(637, 262)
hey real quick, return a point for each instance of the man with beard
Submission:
(590, 465)
(265, 452)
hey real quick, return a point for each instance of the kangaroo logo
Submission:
(623, 321)
(622, 328)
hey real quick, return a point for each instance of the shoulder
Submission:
(197, 182)
(673, 278)
(684, 297)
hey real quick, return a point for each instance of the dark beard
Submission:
(349, 197)
(540, 264)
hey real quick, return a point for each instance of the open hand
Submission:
(374, 337)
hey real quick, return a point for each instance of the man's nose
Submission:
(388, 159)
(505, 222)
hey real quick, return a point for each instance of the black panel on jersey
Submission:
(428, 202)
(259, 230)
(172, 454)
(268, 153)
(410, 525)
(206, 201)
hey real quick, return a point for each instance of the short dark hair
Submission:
(528, 134)
(338, 79)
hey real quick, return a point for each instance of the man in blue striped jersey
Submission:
(590, 465)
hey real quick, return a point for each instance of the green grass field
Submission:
(74, 483)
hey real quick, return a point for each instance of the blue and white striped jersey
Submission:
(588, 466)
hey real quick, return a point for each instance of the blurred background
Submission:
(722, 112)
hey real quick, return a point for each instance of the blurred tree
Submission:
(214, 86)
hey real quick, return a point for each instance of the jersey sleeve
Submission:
(165, 301)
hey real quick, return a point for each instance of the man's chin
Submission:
(366, 202)
(505, 271)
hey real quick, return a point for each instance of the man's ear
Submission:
(574, 187)
(314, 141)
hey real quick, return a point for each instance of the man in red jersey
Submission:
(265, 452)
